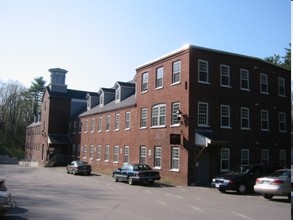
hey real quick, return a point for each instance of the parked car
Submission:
(79, 167)
(136, 173)
(277, 183)
(5, 197)
(241, 178)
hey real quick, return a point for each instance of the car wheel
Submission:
(67, 171)
(222, 190)
(242, 189)
(115, 178)
(151, 182)
(130, 181)
(267, 196)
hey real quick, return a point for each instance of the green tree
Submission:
(36, 90)
(284, 61)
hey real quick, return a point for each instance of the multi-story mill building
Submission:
(191, 114)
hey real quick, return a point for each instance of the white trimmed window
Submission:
(126, 154)
(93, 125)
(84, 151)
(108, 119)
(176, 76)
(225, 75)
(143, 118)
(142, 154)
(107, 155)
(91, 151)
(281, 87)
(100, 124)
(244, 156)
(244, 79)
(283, 161)
(175, 120)
(159, 115)
(116, 153)
(99, 152)
(203, 71)
(203, 117)
(117, 121)
(117, 94)
(175, 159)
(264, 117)
(102, 99)
(144, 80)
(225, 159)
(225, 116)
(86, 126)
(264, 88)
(127, 120)
(158, 156)
(80, 127)
(159, 77)
(282, 122)
(244, 118)
(264, 157)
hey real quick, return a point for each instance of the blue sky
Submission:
(100, 42)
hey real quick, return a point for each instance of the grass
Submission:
(12, 152)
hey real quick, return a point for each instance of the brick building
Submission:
(191, 114)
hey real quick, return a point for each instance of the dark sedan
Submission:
(79, 167)
(136, 173)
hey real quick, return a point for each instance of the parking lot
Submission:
(51, 193)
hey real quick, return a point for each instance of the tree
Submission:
(284, 61)
(36, 91)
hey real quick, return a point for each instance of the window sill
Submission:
(159, 126)
(175, 170)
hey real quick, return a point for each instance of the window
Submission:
(264, 83)
(99, 152)
(144, 84)
(244, 79)
(74, 127)
(143, 118)
(244, 118)
(86, 126)
(102, 99)
(108, 123)
(225, 75)
(91, 151)
(281, 86)
(158, 156)
(203, 119)
(92, 125)
(175, 159)
(116, 152)
(117, 121)
(283, 158)
(176, 76)
(84, 151)
(126, 154)
(117, 94)
(100, 124)
(142, 154)
(79, 127)
(264, 156)
(107, 150)
(159, 115)
(225, 116)
(175, 108)
(73, 150)
(203, 74)
(225, 159)
(264, 117)
(78, 151)
(244, 156)
(127, 120)
(159, 77)
(282, 122)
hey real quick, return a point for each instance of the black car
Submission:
(136, 173)
(79, 167)
(241, 178)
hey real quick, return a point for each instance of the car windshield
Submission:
(141, 167)
(281, 173)
(240, 169)
(81, 163)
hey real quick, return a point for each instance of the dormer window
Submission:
(88, 103)
(117, 94)
(102, 99)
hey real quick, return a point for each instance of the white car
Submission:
(276, 184)
(5, 197)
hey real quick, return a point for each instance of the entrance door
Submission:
(203, 170)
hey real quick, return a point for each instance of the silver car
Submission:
(5, 197)
(276, 184)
